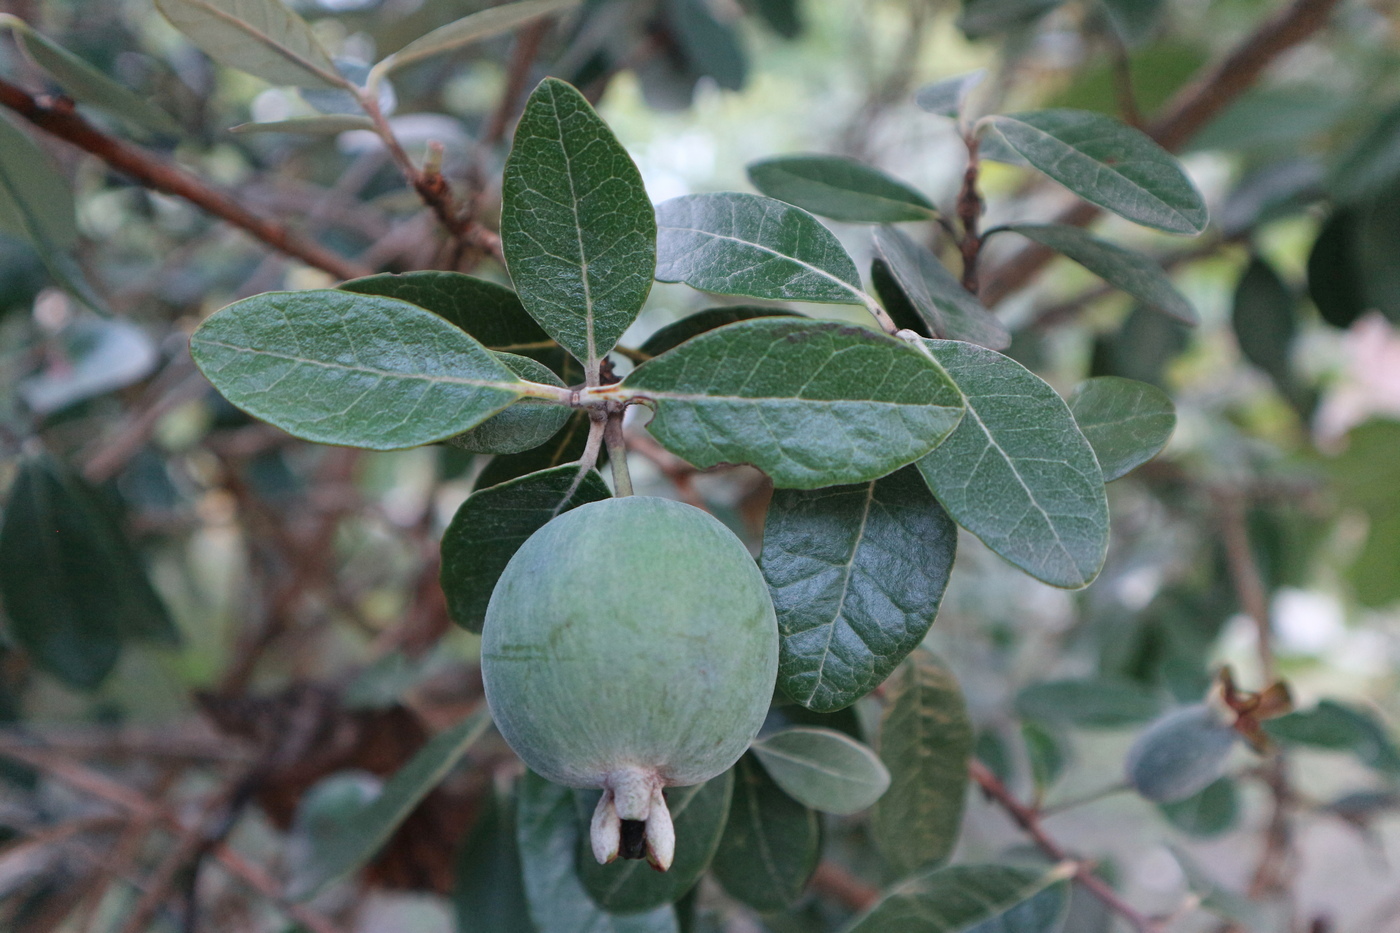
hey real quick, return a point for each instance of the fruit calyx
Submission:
(632, 820)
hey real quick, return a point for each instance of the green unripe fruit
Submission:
(630, 645)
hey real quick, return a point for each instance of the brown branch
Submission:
(522, 59)
(1028, 819)
(1213, 89)
(57, 118)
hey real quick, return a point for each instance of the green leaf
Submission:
(483, 24)
(1017, 472)
(1371, 164)
(840, 188)
(1265, 321)
(1335, 284)
(1108, 164)
(856, 574)
(1090, 703)
(35, 201)
(782, 16)
(327, 804)
(1126, 422)
(577, 227)
(489, 892)
(1180, 754)
(492, 524)
(982, 18)
(72, 585)
(967, 898)
(949, 310)
(321, 124)
(343, 368)
(946, 97)
(491, 313)
(86, 84)
(1208, 813)
(524, 425)
(630, 885)
(1136, 274)
(566, 447)
(265, 38)
(925, 742)
(745, 244)
(823, 769)
(355, 841)
(1339, 727)
(1363, 478)
(771, 843)
(548, 835)
(709, 46)
(897, 304)
(673, 335)
(809, 403)
(1046, 753)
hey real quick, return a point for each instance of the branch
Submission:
(1029, 820)
(57, 118)
(1213, 89)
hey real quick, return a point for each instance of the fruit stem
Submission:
(617, 453)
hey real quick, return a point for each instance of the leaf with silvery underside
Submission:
(525, 424)
(1017, 472)
(925, 742)
(968, 898)
(356, 840)
(949, 310)
(746, 244)
(771, 843)
(577, 227)
(474, 27)
(86, 84)
(823, 769)
(563, 448)
(344, 368)
(840, 188)
(810, 403)
(631, 885)
(1109, 164)
(265, 38)
(673, 335)
(321, 124)
(1126, 422)
(492, 524)
(856, 573)
(1138, 275)
(548, 835)
(946, 97)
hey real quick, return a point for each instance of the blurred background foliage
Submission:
(234, 617)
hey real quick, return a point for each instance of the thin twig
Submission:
(1028, 820)
(58, 118)
(1213, 89)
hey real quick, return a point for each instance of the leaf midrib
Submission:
(267, 41)
(368, 370)
(855, 292)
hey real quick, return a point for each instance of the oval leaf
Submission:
(1210, 812)
(492, 524)
(489, 892)
(809, 403)
(925, 742)
(949, 310)
(771, 843)
(341, 368)
(823, 769)
(630, 885)
(1109, 164)
(964, 898)
(946, 97)
(1336, 726)
(1102, 703)
(856, 573)
(1180, 754)
(321, 124)
(562, 449)
(354, 841)
(1265, 321)
(265, 38)
(483, 24)
(36, 203)
(548, 835)
(1134, 273)
(840, 188)
(87, 85)
(577, 227)
(744, 244)
(1126, 422)
(1017, 472)
(524, 425)
(673, 335)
